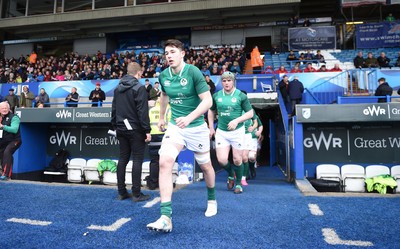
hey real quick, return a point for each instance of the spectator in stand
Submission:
(283, 86)
(26, 98)
(215, 70)
(309, 55)
(12, 100)
(383, 90)
(306, 22)
(268, 70)
(33, 58)
(371, 61)
(359, 61)
(390, 18)
(40, 77)
(72, 98)
(235, 68)
(97, 95)
(47, 76)
(383, 61)
(301, 57)
(309, 68)
(256, 61)
(210, 84)
(398, 61)
(204, 70)
(319, 57)
(67, 75)
(291, 56)
(223, 69)
(281, 69)
(275, 50)
(322, 69)
(60, 76)
(336, 68)
(42, 98)
(295, 91)
(148, 87)
(296, 68)
(155, 92)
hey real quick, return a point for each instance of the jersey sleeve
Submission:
(214, 103)
(199, 81)
(246, 106)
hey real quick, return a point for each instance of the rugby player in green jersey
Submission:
(184, 87)
(233, 108)
(254, 130)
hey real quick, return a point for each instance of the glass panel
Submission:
(100, 4)
(14, 8)
(74, 5)
(40, 7)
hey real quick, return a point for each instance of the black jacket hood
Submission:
(126, 83)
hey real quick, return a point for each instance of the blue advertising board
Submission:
(378, 35)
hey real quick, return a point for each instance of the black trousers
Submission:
(131, 143)
(294, 102)
(6, 155)
(154, 147)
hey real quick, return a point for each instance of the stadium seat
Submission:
(375, 170)
(395, 172)
(75, 169)
(110, 178)
(266, 87)
(90, 170)
(328, 172)
(353, 177)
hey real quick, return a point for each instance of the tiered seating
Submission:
(80, 170)
(352, 176)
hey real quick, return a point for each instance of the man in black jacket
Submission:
(10, 139)
(383, 90)
(130, 119)
(97, 95)
(295, 92)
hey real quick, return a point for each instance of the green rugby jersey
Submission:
(183, 90)
(249, 122)
(253, 134)
(229, 107)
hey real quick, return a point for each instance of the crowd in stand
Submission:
(72, 66)
(372, 62)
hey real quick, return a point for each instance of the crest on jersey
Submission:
(219, 100)
(234, 100)
(184, 82)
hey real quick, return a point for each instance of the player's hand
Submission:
(232, 125)
(182, 122)
(250, 129)
(212, 132)
(148, 138)
(161, 125)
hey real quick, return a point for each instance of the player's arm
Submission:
(163, 107)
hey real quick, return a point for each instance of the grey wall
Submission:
(90, 46)
(15, 50)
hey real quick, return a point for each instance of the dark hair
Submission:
(174, 43)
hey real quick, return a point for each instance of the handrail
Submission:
(66, 103)
(387, 97)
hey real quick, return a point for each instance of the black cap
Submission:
(382, 79)
(12, 90)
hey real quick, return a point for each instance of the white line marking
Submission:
(151, 203)
(314, 209)
(332, 238)
(30, 222)
(111, 228)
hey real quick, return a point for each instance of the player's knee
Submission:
(252, 156)
(168, 151)
(202, 158)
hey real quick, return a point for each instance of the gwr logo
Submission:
(374, 111)
(64, 114)
(63, 139)
(312, 141)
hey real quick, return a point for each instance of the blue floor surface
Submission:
(271, 213)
